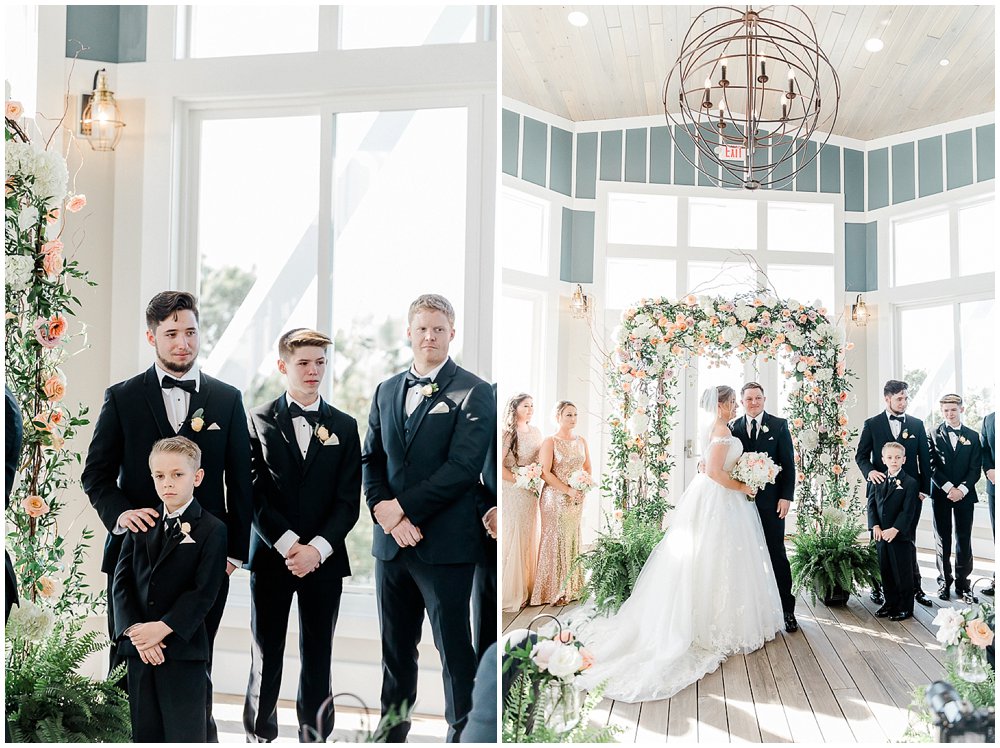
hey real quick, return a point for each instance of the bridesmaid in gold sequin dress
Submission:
(519, 524)
(562, 509)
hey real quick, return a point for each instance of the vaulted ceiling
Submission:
(615, 65)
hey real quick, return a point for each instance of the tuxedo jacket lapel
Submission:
(283, 419)
(191, 515)
(325, 420)
(444, 378)
(154, 542)
(399, 407)
(154, 397)
(944, 439)
(198, 400)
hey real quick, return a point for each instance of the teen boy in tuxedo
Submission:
(166, 582)
(306, 460)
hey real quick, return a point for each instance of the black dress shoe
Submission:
(900, 616)
(921, 598)
(791, 625)
(876, 597)
(944, 593)
(967, 597)
(884, 612)
(990, 591)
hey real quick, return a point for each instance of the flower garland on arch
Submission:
(40, 302)
(658, 338)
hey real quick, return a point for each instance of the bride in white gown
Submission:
(706, 591)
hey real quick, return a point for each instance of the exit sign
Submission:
(731, 152)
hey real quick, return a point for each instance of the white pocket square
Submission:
(213, 427)
(770, 438)
(439, 408)
(332, 441)
(187, 539)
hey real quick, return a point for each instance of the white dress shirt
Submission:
(894, 426)
(304, 431)
(176, 400)
(413, 395)
(179, 512)
(755, 419)
(954, 445)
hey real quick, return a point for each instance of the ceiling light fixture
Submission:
(748, 92)
(874, 45)
(944, 62)
(578, 19)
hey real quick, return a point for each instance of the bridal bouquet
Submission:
(581, 481)
(755, 469)
(529, 477)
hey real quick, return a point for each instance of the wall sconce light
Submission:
(859, 312)
(101, 121)
(580, 303)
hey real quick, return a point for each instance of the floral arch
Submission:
(659, 337)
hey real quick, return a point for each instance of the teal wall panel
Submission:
(611, 156)
(96, 28)
(829, 169)
(132, 33)
(985, 152)
(959, 158)
(706, 166)
(577, 257)
(659, 155)
(878, 178)
(805, 180)
(930, 169)
(533, 151)
(635, 155)
(854, 180)
(586, 164)
(860, 257)
(782, 173)
(683, 144)
(871, 255)
(561, 162)
(904, 177)
(510, 135)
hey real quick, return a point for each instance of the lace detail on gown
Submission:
(706, 591)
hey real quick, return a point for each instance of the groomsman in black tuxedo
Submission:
(306, 460)
(166, 582)
(989, 445)
(893, 425)
(956, 464)
(762, 432)
(171, 398)
(484, 589)
(891, 505)
(428, 433)
(14, 436)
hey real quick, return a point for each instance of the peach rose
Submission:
(34, 506)
(46, 586)
(57, 442)
(52, 263)
(837, 469)
(588, 659)
(979, 632)
(53, 246)
(842, 420)
(57, 326)
(55, 417)
(55, 387)
(14, 110)
(76, 203)
(797, 422)
(41, 423)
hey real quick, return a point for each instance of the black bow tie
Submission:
(897, 418)
(312, 416)
(188, 385)
(412, 381)
(172, 527)
(950, 430)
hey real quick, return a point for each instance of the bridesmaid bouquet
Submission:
(529, 477)
(581, 481)
(755, 469)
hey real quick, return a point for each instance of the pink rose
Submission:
(588, 658)
(34, 506)
(53, 247)
(52, 263)
(52, 216)
(979, 632)
(55, 388)
(49, 332)
(14, 110)
(76, 203)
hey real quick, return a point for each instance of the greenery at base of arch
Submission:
(659, 338)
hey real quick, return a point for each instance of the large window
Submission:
(721, 278)
(725, 223)
(977, 238)
(520, 357)
(920, 249)
(370, 26)
(235, 30)
(927, 354)
(524, 232)
(642, 219)
(800, 227)
(630, 279)
(807, 283)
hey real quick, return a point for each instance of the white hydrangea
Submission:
(662, 350)
(734, 335)
(27, 218)
(824, 374)
(639, 423)
(707, 304)
(951, 622)
(835, 516)
(47, 167)
(796, 338)
(745, 313)
(825, 459)
(634, 468)
(642, 319)
(808, 439)
(654, 439)
(17, 271)
(29, 621)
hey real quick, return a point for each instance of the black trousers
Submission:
(212, 622)
(484, 600)
(894, 562)
(319, 604)
(914, 565)
(166, 700)
(774, 535)
(954, 517)
(404, 588)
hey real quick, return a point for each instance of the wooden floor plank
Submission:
(682, 722)
(859, 716)
(712, 724)
(653, 718)
(740, 712)
(625, 716)
(802, 724)
(507, 618)
(826, 654)
(767, 704)
(922, 648)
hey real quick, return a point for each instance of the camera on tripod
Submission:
(956, 720)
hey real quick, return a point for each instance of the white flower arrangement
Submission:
(756, 469)
(529, 477)
(17, 271)
(734, 335)
(29, 622)
(46, 169)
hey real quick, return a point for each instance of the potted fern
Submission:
(830, 563)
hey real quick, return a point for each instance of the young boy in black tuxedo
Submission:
(306, 464)
(166, 582)
(891, 506)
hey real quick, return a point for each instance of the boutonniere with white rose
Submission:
(764, 429)
(906, 434)
(428, 390)
(325, 437)
(963, 440)
(899, 483)
(186, 533)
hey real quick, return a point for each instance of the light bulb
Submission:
(708, 82)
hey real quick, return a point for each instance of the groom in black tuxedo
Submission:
(171, 398)
(306, 459)
(761, 432)
(893, 424)
(956, 464)
(428, 433)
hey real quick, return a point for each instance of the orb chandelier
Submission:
(748, 91)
